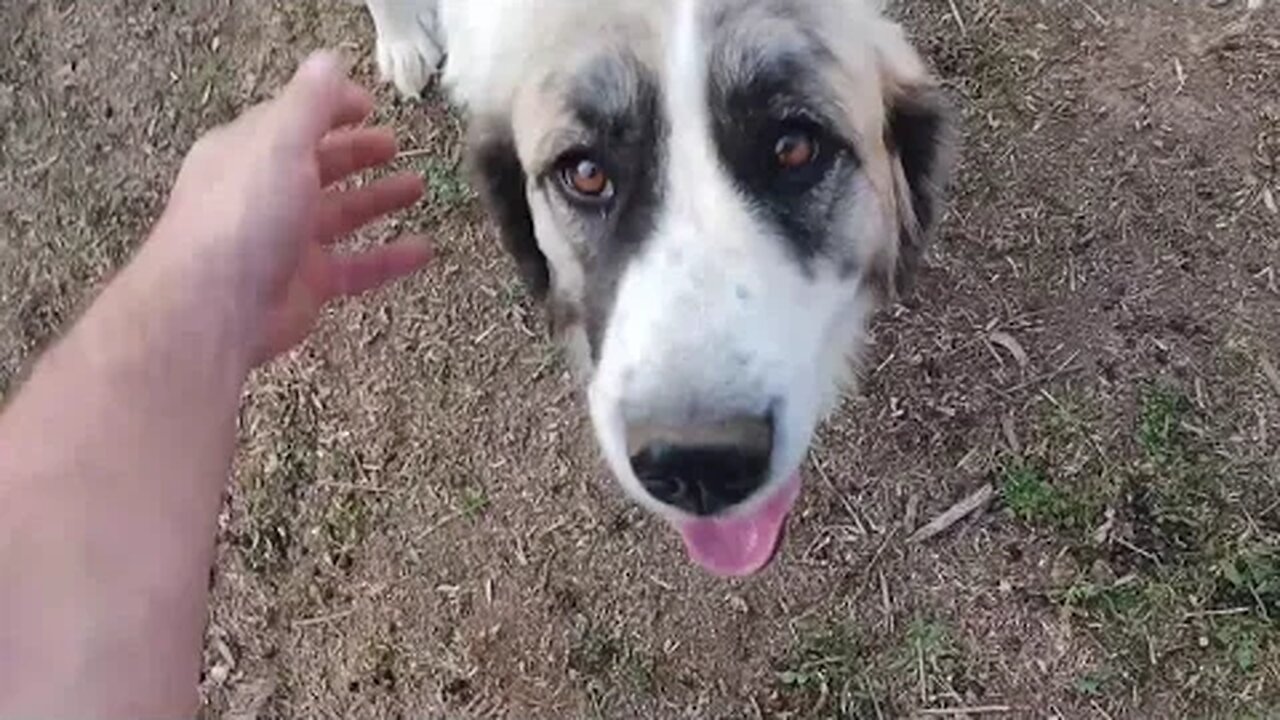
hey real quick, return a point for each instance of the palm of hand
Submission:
(274, 176)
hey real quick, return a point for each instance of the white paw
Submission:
(409, 55)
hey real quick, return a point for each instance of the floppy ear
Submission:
(919, 139)
(500, 180)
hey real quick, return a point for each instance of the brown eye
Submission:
(587, 179)
(795, 150)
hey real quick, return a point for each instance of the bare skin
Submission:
(115, 455)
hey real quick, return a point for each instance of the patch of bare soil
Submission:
(419, 525)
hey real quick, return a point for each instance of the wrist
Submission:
(180, 303)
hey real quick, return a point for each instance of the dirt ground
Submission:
(419, 524)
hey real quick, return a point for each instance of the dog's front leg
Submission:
(411, 43)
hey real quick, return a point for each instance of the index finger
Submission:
(321, 97)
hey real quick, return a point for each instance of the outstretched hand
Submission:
(261, 196)
(107, 525)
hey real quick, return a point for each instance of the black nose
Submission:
(702, 469)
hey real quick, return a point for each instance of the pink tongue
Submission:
(741, 545)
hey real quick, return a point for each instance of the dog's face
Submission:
(713, 197)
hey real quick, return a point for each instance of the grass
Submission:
(1159, 432)
(1093, 684)
(1065, 482)
(837, 671)
(834, 673)
(346, 524)
(1029, 496)
(934, 657)
(1198, 593)
(474, 502)
(606, 661)
(446, 185)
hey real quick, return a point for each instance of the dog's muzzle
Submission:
(702, 469)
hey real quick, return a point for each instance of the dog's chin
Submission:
(741, 544)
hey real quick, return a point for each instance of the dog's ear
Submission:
(501, 182)
(920, 138)
(919, 141)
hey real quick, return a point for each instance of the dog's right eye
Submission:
(800, 155)
(585, 179)
(795, 149)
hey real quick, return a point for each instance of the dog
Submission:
(711, 198)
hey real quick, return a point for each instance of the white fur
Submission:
(714, 311)
(410, 42)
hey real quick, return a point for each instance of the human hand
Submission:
(258, 197)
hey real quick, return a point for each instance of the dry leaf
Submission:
(1011, 434)
(1008, 342)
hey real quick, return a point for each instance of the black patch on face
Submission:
(758, 99)
(919, 132)
(500, 180)
(616, 102)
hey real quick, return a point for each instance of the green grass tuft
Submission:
(1030, 497)
(445, 184)
(1162, 408)
(475, 501)
(1199, 600)
(1027, 493)
(834, 673)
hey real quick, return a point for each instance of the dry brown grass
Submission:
(419, 525)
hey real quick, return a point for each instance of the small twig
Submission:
(884, 545)
(1269, 370)
(892, 356)
(864, 578)
(955, 12)
(42, 166)
(416, 152)
(911, 514)
(353, 487)
(975, 710)
(818, 465)
(323, 619)
(1096, 15)
(886, 600)
(1217, 613)
(1262, 606)
(1134, 548)
(439, 524)
(1106, 715)
(1064, 369)
(955, 514)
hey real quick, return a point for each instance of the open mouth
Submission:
(741, 545)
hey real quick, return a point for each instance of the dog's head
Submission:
(712, 198)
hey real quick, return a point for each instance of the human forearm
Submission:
(112, 463)
(113, 457)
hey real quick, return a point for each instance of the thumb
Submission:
(321, 97)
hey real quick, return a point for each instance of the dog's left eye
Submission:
(585, 179)
(801, 153)
(795, 149)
